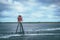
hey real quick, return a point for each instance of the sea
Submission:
(33, 31)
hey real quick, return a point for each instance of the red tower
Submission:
(19, 18)
(20, 25)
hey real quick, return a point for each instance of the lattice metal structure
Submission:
(21, 28)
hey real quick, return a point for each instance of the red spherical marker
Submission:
(19, 18)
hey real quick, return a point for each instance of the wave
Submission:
(44, 34)
(8, 36)
(49, 29)
(12, 35)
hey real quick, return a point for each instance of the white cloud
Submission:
(49, 16)
(3, 1)
(31, 4)
(6, 1)
(29, 10)
(51, 7)
(19, 7)
(10, 14)
(8, 19)
(37, 14)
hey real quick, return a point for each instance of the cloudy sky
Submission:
(31, 10)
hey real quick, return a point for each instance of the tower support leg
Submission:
(21, 28)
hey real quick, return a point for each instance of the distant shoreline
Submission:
(30, 22)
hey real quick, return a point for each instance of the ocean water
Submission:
(33, 31)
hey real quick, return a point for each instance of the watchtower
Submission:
(20, 25)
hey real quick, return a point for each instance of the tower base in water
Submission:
(21, 28)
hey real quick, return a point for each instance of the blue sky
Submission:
(31, 10)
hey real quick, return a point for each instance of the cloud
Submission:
(49, 1)
(36, 10)
(18, 6)
(8, 19)
(57, 11)
(6, 1)
(3, 7)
